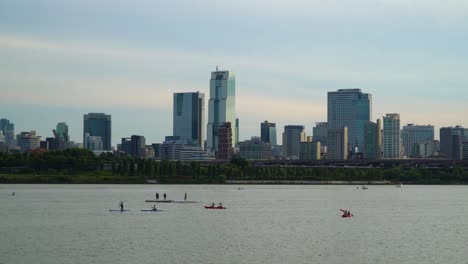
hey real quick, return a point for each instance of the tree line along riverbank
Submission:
(82, 166)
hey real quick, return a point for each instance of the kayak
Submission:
(121, 211)
(215, 207)
(151, 210)
(347, 216)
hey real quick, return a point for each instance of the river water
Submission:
(262, 224)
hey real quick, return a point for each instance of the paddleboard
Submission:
(151, 211)
(119, 210)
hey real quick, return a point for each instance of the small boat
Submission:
(215, 207)
(364, 188)
(159, 201)
(347, 216)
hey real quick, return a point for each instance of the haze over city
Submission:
(61, 60)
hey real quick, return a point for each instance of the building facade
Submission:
(255, 149)
(337, 143)
(412, 135)
(320, 133)
(268, 133)
(450, 138)
(292, 137)
(391, 137)
(221, 106)
(137, 146)
(373, 140)
(352, 109)
(8, 131)
(98, 125)
(225, 150)
(28, 141)
(310, 150)
(189, 117)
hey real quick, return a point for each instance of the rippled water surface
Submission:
(262, 224)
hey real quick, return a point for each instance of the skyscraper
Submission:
(337, 143)
(221, 106)
(98, 125)
(268, 133)
(391, 137)
(137, 146)
(188, 117)
(373, 140)
(320, 133)
(8, 130)
(310, 150)
(413, 135)
(292, 137)
(352, 109)
(62, 131)
(449, 138)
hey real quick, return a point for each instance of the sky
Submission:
(60, 59)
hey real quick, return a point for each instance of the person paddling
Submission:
(220, 205)
(121, 206)
(185, 197)
(164, 196)
(157, 196)
(154, 207)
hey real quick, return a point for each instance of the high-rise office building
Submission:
(62, 131)
(268, 133)
(224, 151)
(449, 141)
(337, 143)
(98, 125)
(320, 133)
(391, 137)
(221, 106)
(352, 109)
(137, 146)
(373, 140)
(8, 130)
(292, 137)
(189, 117)
(412, 135)
(28, 141)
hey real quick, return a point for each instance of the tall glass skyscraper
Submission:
(268, 133)
(352, 109)
(188, 117)
(98, 125)
(221, 106)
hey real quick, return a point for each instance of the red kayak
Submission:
(347, 216)
(215, 207)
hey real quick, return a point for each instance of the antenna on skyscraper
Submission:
(216, 67)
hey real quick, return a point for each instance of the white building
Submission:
(392, 148)
(221, 107)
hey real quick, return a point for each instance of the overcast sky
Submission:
(60, 59)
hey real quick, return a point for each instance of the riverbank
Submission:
(106, 178)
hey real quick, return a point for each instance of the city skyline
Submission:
(59, 68)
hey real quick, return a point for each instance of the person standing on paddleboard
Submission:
(185, 197)
(121, 206)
